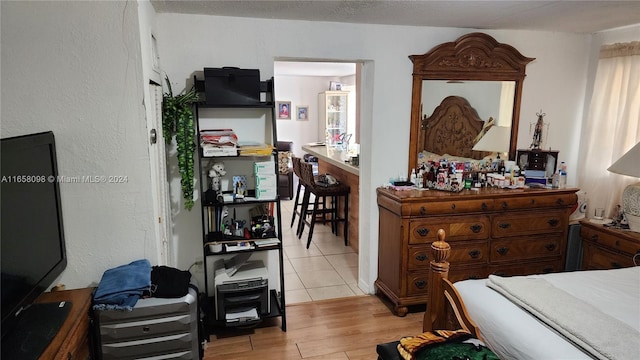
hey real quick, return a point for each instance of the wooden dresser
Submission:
(491, 231)
(72, 341)
(608, 248)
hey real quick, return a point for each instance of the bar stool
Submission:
(322, 193)
(297, 206)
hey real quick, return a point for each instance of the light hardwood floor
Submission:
(336, 329)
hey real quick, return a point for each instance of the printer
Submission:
(242, 290)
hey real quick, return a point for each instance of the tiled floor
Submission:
(326, 270)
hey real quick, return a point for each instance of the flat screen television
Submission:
(32, 237)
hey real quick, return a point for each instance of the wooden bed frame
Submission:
(445, 309)
(452, 129)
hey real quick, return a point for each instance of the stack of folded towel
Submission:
(121, 287)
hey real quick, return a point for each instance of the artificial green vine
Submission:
(177, 119)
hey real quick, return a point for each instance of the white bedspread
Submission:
(514, 334)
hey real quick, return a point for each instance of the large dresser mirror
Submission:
(460, 90)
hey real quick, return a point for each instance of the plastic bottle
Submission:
(555, 180)
(414, 177)
(563, 175)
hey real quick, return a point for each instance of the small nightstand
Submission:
(607, 247)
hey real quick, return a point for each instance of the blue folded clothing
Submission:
(121, 287)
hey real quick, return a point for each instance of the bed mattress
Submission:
(514, 334)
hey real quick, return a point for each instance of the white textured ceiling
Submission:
(562, 16)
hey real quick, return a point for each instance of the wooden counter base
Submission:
(353, 181)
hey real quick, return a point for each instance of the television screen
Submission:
(32, 236)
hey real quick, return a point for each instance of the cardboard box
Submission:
(266, 194)
(266, 181)
(264, 168)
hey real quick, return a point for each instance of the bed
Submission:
(584, 298)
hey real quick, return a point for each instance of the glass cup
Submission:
(598, 214)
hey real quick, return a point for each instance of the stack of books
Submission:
(535, 176)
(219, 142)
(255, 149)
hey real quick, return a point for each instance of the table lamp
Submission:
(629, 165)
(495, 140)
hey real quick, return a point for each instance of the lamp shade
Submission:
(495, 140)
(629, 163)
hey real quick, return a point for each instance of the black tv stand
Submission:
(37, 325)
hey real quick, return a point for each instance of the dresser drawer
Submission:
(527, 269)
(524, 248)
(459, 274)
(425, 231)
(451, 207)
(529, 223)
(610, 240)
(417, 283)
(473, 252)
(595, 258)
(533, 202)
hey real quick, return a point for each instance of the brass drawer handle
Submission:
(423, 210)
(533, 201)
(422, 257)
(420, 284)
(476, 228)
(422, 231)
(560, 201)
(503, 250)
(474, 254)
(453, 206)
(553, 222)
(505, 205)
(550, 247)
(484, 206)
(504, 225)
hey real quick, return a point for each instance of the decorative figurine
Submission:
(537, 133)
(217, 171)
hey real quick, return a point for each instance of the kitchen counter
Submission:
(331, 161)
(332, 156)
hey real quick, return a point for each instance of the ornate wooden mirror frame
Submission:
(475, 56)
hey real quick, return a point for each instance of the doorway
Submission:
(327, 269)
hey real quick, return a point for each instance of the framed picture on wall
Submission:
(302, 112)
(284, 110)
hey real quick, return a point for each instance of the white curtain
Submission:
(612, 126)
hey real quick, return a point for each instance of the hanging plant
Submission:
(177, 119)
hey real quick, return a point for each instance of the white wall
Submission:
(75, 68)
(300, 90)
(555, 82)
